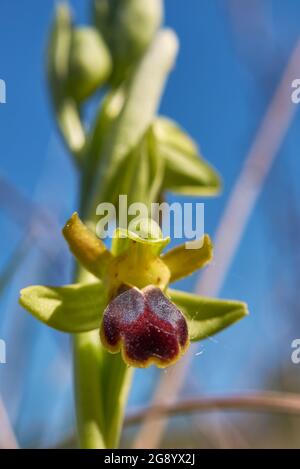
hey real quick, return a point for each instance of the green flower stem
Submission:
(99, 414)
(101, 382)
(87, 383)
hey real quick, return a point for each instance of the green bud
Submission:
(89, 63)
(128, 26)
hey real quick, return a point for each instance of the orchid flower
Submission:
(129, 298)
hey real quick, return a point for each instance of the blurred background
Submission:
(232, 57)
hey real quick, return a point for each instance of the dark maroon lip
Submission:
(146, 326)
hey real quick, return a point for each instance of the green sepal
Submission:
(186, 170)
(207, 316)
(183, 261)
(71, 308)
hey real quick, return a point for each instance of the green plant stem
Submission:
(87, 383)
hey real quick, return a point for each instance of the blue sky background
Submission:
(230, 61)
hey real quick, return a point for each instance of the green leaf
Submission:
(102, 382)
(128, 27)
(145, 162)
(72, 308)
(71, 127)
(186, 171)
(134, 176)
(58, 52)
(130, 125)
(207, 316)
(182, 261)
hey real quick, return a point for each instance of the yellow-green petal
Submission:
(183, 262)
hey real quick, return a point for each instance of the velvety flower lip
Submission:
(146, 326)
